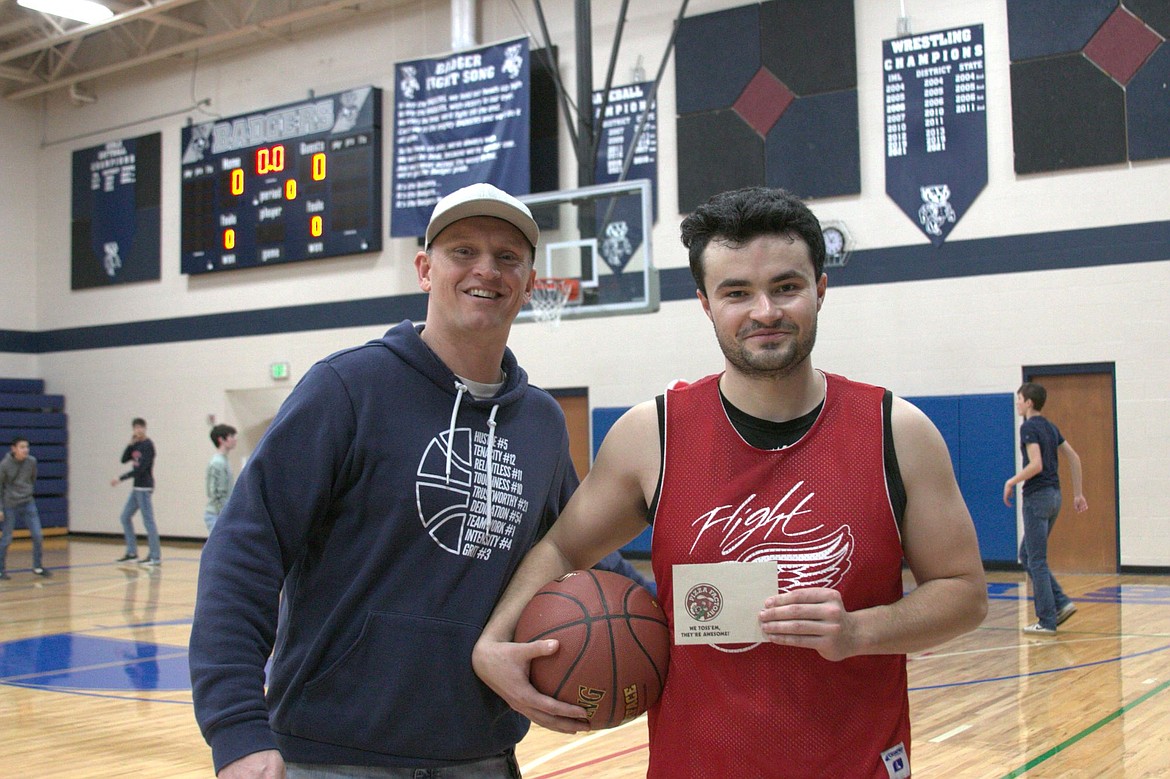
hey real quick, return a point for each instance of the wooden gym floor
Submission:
(93, 681)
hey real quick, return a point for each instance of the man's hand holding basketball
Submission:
(814, 618)
(503, 666)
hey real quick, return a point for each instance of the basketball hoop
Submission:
(550, 296)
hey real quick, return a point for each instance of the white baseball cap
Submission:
(481, 200)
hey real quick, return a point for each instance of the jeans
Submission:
(209, 518)
(32, 520)
(1040, 510)
(504, 767)
(139, 500)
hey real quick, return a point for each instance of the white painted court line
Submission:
(578, 743)
(1030, 642)
(950, 733)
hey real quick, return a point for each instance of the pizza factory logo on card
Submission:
(704, 602)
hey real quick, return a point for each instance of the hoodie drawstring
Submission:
(460, 389)
(491, 471)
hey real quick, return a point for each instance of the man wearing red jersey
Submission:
(834, 480)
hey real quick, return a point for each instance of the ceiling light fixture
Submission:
(78, 10)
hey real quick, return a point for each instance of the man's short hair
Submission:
(1034, 392)
(736, 217)
(137, 422)
(220, 432)
(18, 439)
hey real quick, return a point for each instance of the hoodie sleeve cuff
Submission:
(241, 740)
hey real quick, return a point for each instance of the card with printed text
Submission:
(719, 603)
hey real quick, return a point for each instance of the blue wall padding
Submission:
(26, 411)
(980, 435)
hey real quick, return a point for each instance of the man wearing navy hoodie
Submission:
(365, 545)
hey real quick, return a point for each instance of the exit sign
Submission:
(279, 370)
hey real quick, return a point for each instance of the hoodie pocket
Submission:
(406, 688)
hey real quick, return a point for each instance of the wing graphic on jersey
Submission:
(809, 562)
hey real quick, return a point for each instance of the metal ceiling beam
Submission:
(204, 42)
(163, 19)
(145, 12)
(15, 74)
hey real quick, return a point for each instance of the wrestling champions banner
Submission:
(936, 126)
(116, 191)
(458, 120)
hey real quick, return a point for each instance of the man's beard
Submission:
(775, 361)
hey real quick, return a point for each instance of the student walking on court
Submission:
(219, 473)
(140, 454)
(1040, 445)
(834, 480)
(18, 479)
(375, 525)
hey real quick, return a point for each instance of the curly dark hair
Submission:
(738, 216)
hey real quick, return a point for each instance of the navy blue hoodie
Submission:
(366, 524)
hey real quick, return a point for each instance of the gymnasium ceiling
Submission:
(40, 53)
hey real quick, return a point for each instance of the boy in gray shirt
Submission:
(18, 478)
(219, 474)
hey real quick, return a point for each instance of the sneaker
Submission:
(150, 562)
(42, 572)
(1040, 630)
(127, 556)
(1069, 609)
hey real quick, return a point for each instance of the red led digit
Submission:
(315, 226)
(319, 166)
(237, 181)
(270, 159)
(229, 238)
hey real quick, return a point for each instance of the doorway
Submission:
(574, 402)
(1081, 403)
(253, 410)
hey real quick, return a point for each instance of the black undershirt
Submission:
(768, 435)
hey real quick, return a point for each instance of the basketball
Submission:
(615, 645)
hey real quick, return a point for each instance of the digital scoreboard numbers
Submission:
(296, 182)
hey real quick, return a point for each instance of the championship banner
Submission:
(619, 219)
(936, 126)
(458, 120)
(115, 228)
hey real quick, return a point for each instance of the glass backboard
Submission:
(601, 236)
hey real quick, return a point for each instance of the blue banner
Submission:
(619, 220)
(936, 126)
(458, 120)
(115, 230)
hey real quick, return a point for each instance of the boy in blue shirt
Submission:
(1040, 444)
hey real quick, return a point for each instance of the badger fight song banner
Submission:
(458, 119)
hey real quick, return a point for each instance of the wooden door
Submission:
(1081, 406)
(575, 404)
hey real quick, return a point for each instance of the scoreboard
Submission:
(296, 182)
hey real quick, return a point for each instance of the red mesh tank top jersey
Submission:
(820, 509)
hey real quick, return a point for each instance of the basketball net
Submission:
(549, 298)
